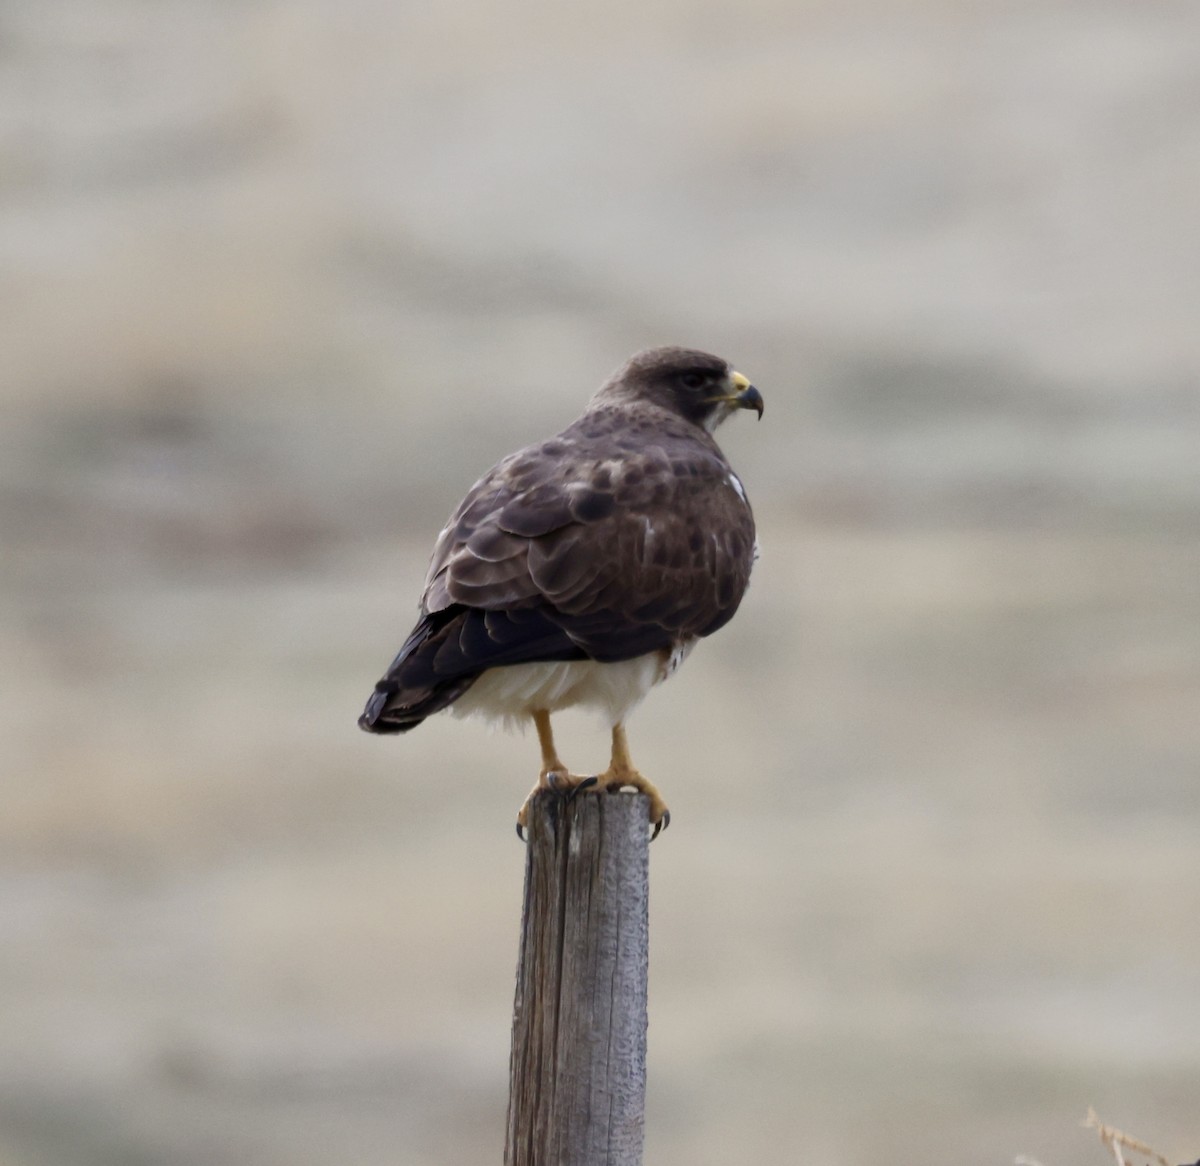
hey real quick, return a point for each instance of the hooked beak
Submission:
(746, 395)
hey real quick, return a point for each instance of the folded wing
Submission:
(564, 552)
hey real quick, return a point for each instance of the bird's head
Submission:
(702, 388)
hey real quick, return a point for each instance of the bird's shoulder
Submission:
(613, 479)
(611, 459)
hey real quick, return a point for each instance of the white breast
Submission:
(513, 693)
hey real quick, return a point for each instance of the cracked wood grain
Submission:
(577, 1073)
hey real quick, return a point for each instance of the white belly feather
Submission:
(513, 693)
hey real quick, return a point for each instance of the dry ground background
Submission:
(280, 278)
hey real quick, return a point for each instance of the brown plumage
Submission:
(625, 536)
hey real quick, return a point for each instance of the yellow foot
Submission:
(561, 782)
(620, 777)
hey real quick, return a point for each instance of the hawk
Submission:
(581, 571)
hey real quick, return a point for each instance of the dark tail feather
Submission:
(386, 712)
(412, 689)
(448, 650)
(372, 720)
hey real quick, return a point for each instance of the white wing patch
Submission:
(679, 653)
(647, 540)
(736, 483)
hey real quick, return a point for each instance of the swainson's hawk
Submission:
(582, 570)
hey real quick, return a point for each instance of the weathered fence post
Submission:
(577, 1073)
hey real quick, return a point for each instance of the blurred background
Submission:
(281, 279)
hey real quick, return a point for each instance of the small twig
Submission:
(1115, 1140)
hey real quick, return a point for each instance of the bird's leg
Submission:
(622, 773)
(554, 774)
(552, 767)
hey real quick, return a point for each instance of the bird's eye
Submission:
(691, 380)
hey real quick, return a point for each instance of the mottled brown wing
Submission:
(626, 553)
(614, 539)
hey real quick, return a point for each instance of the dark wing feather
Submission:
(623, 535)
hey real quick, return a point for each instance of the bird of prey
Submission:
(582, 570)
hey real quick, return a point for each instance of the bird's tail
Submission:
(448, 650)
(411, 688)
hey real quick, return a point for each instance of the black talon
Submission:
(587, 783)
(554, 782)
(661, 824)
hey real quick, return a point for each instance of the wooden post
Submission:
(577, 1074)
